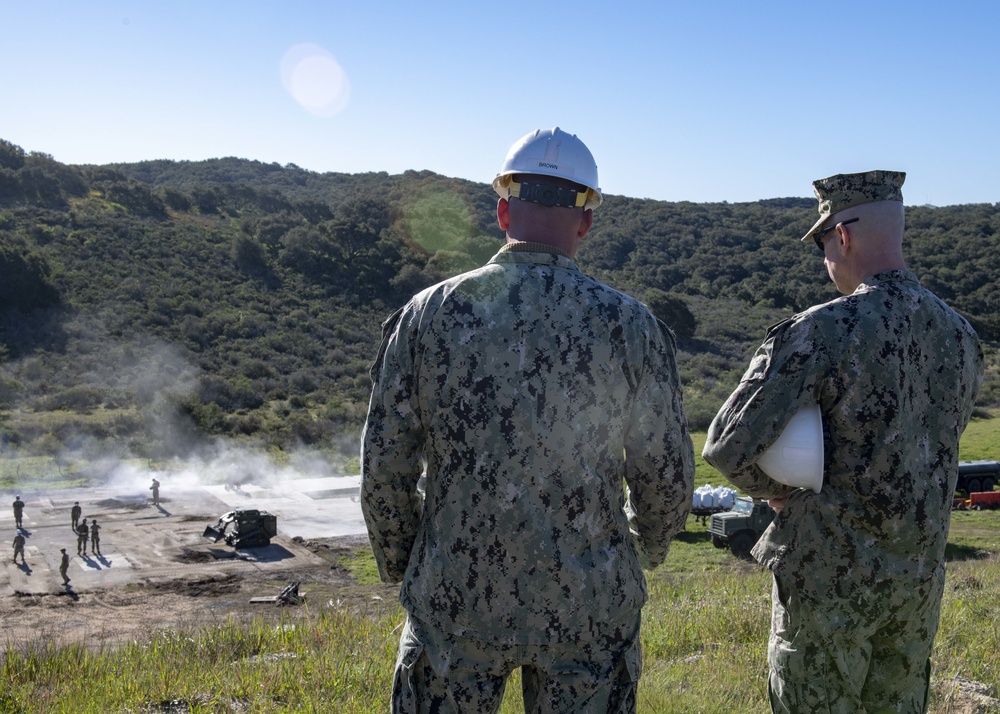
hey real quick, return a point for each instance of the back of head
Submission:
(883, 220)
(548, 188)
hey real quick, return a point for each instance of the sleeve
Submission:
(784, 375)
(659, 456)
(392, 452)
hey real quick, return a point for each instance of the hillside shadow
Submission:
(23, 333)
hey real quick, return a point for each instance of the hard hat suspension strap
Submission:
(548, 194)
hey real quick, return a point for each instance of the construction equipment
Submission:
(251, 528)
(977, 501)
(289, 596)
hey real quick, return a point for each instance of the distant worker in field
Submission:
(19, 546)
(64, 566)
(155, 488)
(82, 531)
(858, 568)
(527, 392)
(75, 514)
(18, 511)
(95, 538)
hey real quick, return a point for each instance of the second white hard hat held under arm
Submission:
(796, 458)
(551, 152)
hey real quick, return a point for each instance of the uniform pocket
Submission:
(798, 679)
(407, 678)
(799, 664)
(623, 698)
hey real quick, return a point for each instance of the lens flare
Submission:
(315, 80)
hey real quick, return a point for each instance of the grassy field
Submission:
(704, 641)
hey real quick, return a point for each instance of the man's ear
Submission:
(503, 214)
(586, 223)
(845, 241)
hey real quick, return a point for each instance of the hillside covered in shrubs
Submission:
(151, 308)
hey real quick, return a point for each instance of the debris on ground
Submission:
(289, 596)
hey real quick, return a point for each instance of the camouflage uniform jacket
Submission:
(529, 392)
(895, 372)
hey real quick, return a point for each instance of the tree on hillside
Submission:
(673, 311)
(356, 229)
(25, 285)
(11, 155)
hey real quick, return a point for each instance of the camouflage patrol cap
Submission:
(843, 191)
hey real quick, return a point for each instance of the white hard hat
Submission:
(551, 152)
(796, 458)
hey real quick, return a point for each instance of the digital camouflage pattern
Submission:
(530, 391)
(895, 372)
(860, 657)
(842, 191)
(439, 672)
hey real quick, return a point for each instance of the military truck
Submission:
(740, 527)
(251, 528)
(977, 476)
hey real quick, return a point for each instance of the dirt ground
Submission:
(157, 571)
(130, 612)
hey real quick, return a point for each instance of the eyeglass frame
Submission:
(819, 236)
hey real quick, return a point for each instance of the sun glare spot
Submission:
(315, 80)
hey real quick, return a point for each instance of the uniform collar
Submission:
(537, 253)
(524, 246)
(890, 276)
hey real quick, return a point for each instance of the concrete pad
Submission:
(145, 543)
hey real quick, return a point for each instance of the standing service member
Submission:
(82, 531)
(19, 546)
(527, 392)
(858, 568)
(64, 566)
(18, 511)
(95, 538)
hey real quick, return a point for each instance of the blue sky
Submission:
(695, 101)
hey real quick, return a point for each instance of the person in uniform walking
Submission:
(18, 511)
(75, 514)
(858, 568)
(95, 537)
(19, 546)
(155, 488)
(64, 566)
(82, 531)
(526, 392)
